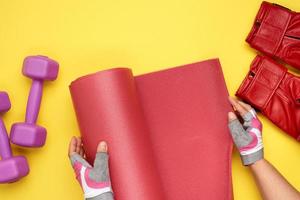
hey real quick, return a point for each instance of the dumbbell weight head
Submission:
(11, 168)
(40, 68)
(4, 102)
(27, 133)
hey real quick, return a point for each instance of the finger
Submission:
(239, 135)
(78, 145)
(244, 105)
(100, 171)
(231, 116)
(102, 147)
(249, 115)
(81, 152)
(72, 146)
(240, 109)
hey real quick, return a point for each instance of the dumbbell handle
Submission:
(5, 150)
(34, 101)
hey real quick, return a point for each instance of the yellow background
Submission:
(87, 36)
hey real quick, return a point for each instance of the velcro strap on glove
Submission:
(269, 27)
(261, 82)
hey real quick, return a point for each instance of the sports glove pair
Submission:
(268, 86)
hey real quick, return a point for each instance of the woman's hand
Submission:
(247, 136)
(95, 181)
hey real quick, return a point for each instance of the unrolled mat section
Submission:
(107, 108)
(166, 130)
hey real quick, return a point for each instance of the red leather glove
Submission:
(276, 32)
(275, 92)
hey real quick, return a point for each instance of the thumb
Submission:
(231, 116)
(239, 135)
(101, 159)
(100, 171)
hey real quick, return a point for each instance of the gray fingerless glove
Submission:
(95, 181)
(247, 137)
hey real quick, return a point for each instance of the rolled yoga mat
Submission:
(167, 130)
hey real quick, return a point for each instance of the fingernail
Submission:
(102, 147)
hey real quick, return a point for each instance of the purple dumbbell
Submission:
(12, 168)
(28, 134)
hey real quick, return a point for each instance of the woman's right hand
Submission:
(247, 136)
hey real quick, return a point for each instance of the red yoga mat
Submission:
(167, 130)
